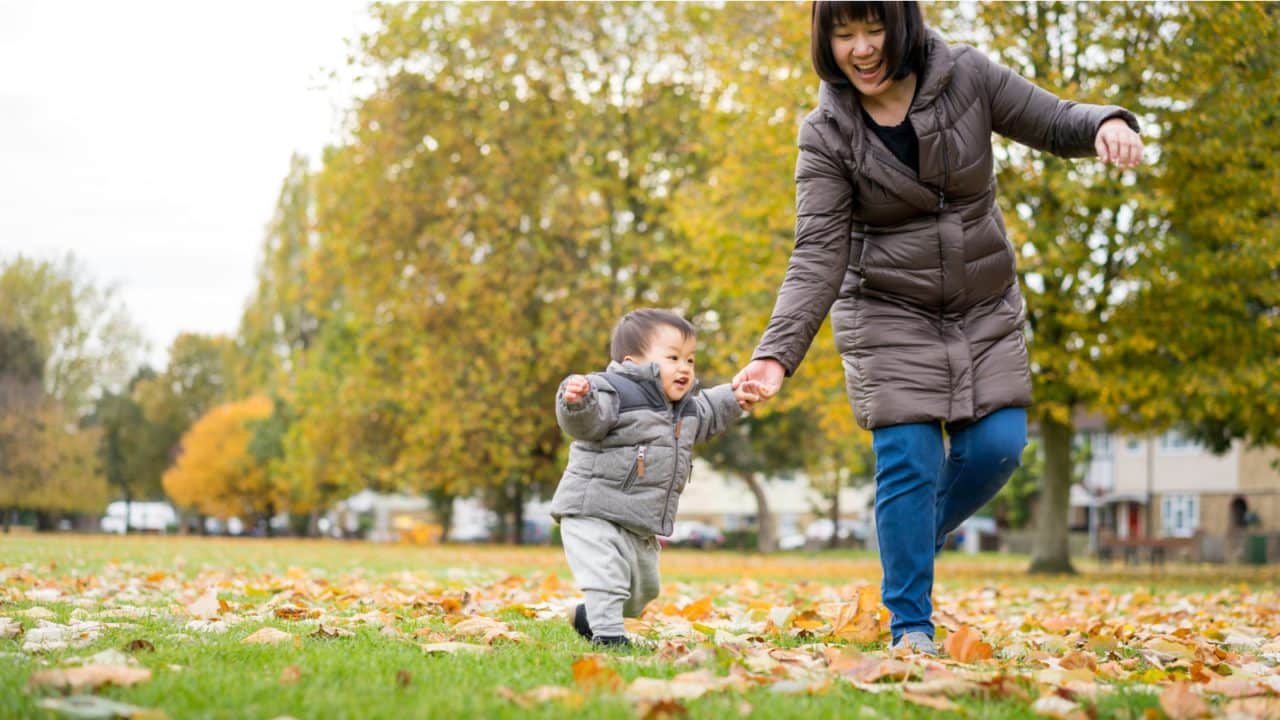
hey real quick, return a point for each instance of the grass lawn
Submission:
(394, 600)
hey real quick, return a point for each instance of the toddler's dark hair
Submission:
(632, 334)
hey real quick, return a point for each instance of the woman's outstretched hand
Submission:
(765, 374)
(1118, 144)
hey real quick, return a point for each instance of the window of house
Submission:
(1176, 441)
(1133, 444)
(1180, 515)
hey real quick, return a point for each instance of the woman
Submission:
(899, 236)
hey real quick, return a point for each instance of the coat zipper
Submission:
(637, 470)
(675, 431)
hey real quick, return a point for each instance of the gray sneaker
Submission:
(915, 642)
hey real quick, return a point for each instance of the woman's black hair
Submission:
(904, 42)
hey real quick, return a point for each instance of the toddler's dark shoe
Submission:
(619, 642)
(579, 620)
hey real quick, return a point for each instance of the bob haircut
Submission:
(634, 332)
(904, 42)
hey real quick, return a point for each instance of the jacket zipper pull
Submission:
(640, 463)
(942, 203)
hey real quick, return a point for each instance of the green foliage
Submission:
(79, 328)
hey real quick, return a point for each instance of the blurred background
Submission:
(317, 270)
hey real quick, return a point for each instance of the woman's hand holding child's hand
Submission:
(748, 393)
(575, 389)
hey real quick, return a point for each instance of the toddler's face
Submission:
(674, 354)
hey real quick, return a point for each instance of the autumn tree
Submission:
(1106, 254)
(216, 474)
(473, 268)
(80, 328)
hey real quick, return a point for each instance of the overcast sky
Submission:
(150, 140)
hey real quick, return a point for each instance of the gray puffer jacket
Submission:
(633, 451)
(927, 312)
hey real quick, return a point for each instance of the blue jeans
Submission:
(922, 495)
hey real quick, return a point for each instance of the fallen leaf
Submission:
(875, 669)
(452, 647)
(1058, 707)
(92, 707)
(403, 678)
(541, 694)
(329, 631)
(290, 675)
(591, 675)
(965, 645)
(698, 610)
(267, 635)
(930, 701)
(1180, 702)
(139, 645)
(89, 676)
(661, 710)
(205, 607)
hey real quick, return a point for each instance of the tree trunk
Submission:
(44, 521)
(766, 538)
(834, 542)
(313, 524)
(1050, 553)
(8, 518)
(517, 514)
(128, 507)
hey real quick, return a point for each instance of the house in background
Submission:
(726, 502)
(1169, 486)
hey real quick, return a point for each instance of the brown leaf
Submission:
(452, 647)
(1079, 659)
(89, 676)
(930, 701)
(965, 645)
(875, 669)
(1059, 708)
(329, 631)
(698, 610)
(267, 635)
(290, 675)
(139, 645)
(293, 612)
(593, 676)
(205, 607)
(661, 710)
(1256, 707)
(403, 678)
(1180, 702)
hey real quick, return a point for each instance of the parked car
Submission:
(819, 531)
(691, 533)
(791, 541)
(156, 517)
(469, 533)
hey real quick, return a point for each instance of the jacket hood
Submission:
(649, 372)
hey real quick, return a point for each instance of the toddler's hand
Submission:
(575, 389)
(748, 393)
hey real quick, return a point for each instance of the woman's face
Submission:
(858, 46)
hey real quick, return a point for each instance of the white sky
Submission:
(150, 139)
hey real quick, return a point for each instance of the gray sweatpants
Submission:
(616, 569)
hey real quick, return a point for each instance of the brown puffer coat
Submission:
(927, 313)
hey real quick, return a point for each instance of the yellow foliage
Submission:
(215, 474)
